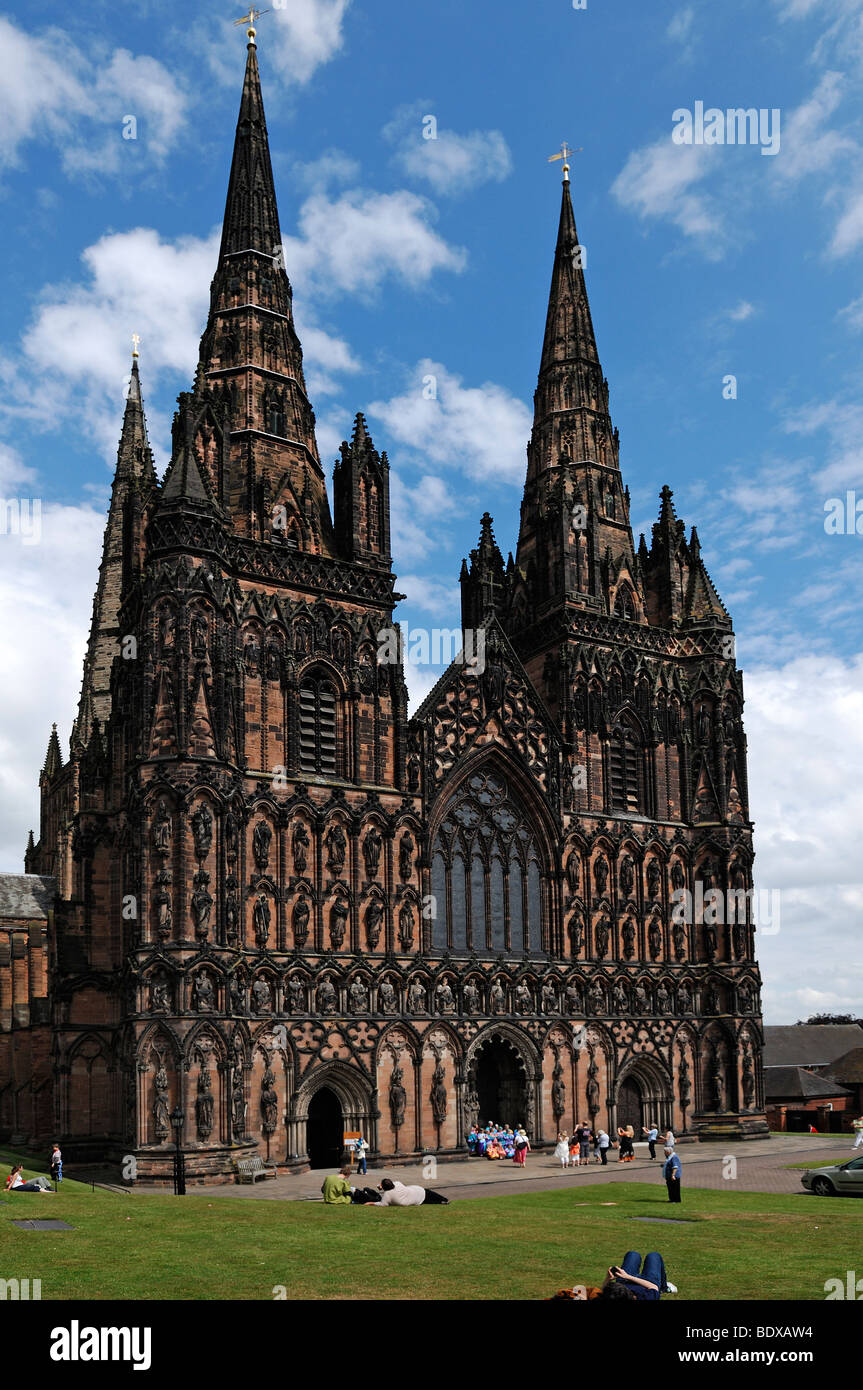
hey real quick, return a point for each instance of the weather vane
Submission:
(136, 342)
(565, 152)
(251, 19)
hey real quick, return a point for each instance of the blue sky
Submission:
(412, 256)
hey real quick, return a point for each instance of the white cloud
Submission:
(54, 92)
(853, 314)
(849, 229)
(807, 147)
(451, 163)
(657, 181)
(680, 26)
(353, 243)
(742, 311)
(480, 430)
(804, 724)
(419, 516)
(299, 38)
(432, 596)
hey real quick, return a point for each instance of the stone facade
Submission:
(290, 910)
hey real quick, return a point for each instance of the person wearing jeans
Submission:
(652, 1136)
(646, 1282)
(604, 1143)
(672, 1171)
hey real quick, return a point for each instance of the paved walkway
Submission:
(760, 1167)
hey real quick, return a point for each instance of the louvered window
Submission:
(318, 727)
(624, 765)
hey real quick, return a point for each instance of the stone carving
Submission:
(684, 998)
(678, 935)
(160, 997)
(678, 876)
(596, 995)
(523, 998)
(299, 847)
(374, 923)
(573, 872)
(326, 996)
(717, 1086)
(199, 635)
(558, 1090)
(711, 941)
(232, 917)
(471, 997)
(438, 1093)
(372, 846)
(238, 1101)
(654, 939)
(497, 998)
(444, 997)
(471, 1106)
(164, 916)
(204, 1103)
(711, 1000)
(269, 1102)
(202, 905)
(161, 833)
(620, 997)
(600, 875)
(261, 920)
(336, 846)
(232, 836)
(748, 1081)
(203, 994)
(654, 878)
(663, 998)
(262, 997)
(576, 934)
(592, 1087)
(641, 1000)
(416, 996)
(339, 913)
(262, 837)
(386, 997)
(745, 997)
(627, 875)
(295, 997)
(548, 997)
(601, 937)
(161, 1102)
(398, 1098)
(202, 830)
(628, 934)
(738, 937)
(237, 994)
(684, 1089)
(406, 857)
(358, 997)
(300, 922)
(573, 996)
(406, 926)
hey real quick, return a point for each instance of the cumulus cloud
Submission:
(352, 244)
(55, 92)
(480, 430)
(301, 37)
(419, 516)
(450, 162)
(808, 145)
(658, 182)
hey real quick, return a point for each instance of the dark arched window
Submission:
(486, 872)
(624, 603)
(318, 726)
(625, 770)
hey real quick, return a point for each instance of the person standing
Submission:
(56, 1165)
(584, 1143)
(561, 1149)
(672, 1171)
(604, 1146)
(361, 1149)
(858, 1130)
(669, 1140)
(652, 1136)
(522, 1147)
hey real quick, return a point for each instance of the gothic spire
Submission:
(251, 215)
(569, 333)
(53, 758)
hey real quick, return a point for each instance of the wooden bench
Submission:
(250, 1169)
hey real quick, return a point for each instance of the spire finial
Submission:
(251, 19)
(565, 152)
(136, 343)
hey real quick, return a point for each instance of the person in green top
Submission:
(336, 1188)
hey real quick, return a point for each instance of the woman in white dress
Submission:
(561, 1150)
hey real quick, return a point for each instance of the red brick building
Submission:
(288, 909)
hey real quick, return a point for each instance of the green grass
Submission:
(739, 1245)
(822, 1161)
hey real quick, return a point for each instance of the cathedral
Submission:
(266, 908)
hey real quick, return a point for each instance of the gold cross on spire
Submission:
(251, 19)
(565, 152)
(136, 342)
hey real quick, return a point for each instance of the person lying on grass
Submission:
(15, 1182)
(625, 1282)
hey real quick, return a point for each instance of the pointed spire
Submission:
(251, 215)
(134, 455)
(54, 757)
(569, 335)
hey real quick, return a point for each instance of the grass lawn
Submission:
(744, 1245)
(822, 1161)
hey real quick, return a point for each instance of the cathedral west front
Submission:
(266, 897)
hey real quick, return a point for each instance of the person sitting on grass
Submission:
(15, 1182)
(396, 1194)
(625, 1282)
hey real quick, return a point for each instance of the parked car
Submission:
(836, 1180)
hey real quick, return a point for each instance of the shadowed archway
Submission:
(325, 1129)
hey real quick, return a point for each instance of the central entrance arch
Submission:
(500, 1084)
(630, 1107)
(325, 1129)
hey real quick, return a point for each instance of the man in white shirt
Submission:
(396, 1194)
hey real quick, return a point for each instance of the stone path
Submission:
(760, 1167)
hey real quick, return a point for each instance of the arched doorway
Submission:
(500, 1084)
(630, 1109)
(325, 1129)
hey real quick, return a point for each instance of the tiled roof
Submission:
(26, 896)
(809, 1044)
(796, 1083)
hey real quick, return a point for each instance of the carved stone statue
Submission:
(471, 1107)
(161, 834)
(738, 937)
(326, 996)
(497, 998)
(269, 1102)
(336, 845)
(684, 1089)
(300, 922)
(523, 998)
(202, 904)
(358, 997)
(444, 997)
(261, 840)
(602, 935)
(161, 1114)
(160, 997)
(372, 846)
(237, 992)
(620, 997)
(654, 939)
(663, 998)
(592, 1087)
(299, 847)
(627, 875)
(202, 829)
(711, 1000)
(678, 935)
(748, 1081)
(558, 1091)
(295, 995)
(386, 997)
(338, 922)
(573, 872)
(406, 857)
(642, 1003)
(438, 1094)
(416, 996)
(203, 994)
(744, 997)
(199, 635)
(232, 917)
(232, 836)
(576, 934)
(628, 937)
(164, 915)
(204, 1104)
(262, 998)
(573, 996)
(471, 997)
(261, 920)
(684, 998)
(678, 876)
(717, 1086)
(711, 941)
(374, 923)
(406, 926)
(398, 1098)
(597, 997)
(600, 875)
(238, 1104)
(654, 878)
(548, 998)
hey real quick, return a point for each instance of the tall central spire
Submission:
(251, 215)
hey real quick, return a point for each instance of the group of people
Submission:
(499, 1141)
(16, 1181)
(591, 1141)
(337, 1191)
